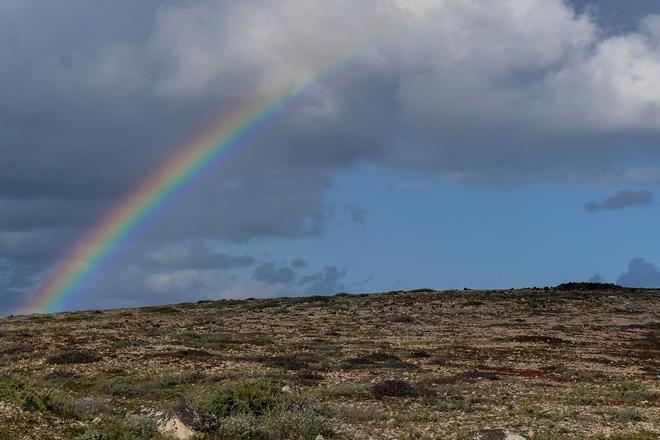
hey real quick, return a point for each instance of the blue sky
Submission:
(469, 143)
(419, 233)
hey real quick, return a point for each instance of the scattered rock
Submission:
(494, 434)
(183, 422)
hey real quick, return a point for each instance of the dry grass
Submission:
(566, 363)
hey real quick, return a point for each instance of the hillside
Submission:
(577, 361)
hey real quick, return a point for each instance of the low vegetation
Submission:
(549, 364)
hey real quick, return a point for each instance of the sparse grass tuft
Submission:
(72, 357)
(131, 428)
(31, 398)
(631, 391)
(627, 415)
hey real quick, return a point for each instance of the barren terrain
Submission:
(578, 361)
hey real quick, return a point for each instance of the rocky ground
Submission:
(577, 361)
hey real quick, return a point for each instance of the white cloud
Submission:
(528, 66)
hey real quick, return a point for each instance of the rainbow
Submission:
(201, 153)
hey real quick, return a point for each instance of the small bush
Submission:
(73, 318)
(582, 397)
(642, 435)
(243, 427)
(420, 354)
(350, 390)
(36, 401)
(297, 361)
(296, 424)
(630, 391)
(393, 388)
(402, 318)
(261, 409)
(254, 397)
(627, 415)
(130, 429)
(455, 398)
(72, 357)
(123, 387)
(31, 398)
(166, 310)
(378, 359)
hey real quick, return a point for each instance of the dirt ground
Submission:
(577, 361)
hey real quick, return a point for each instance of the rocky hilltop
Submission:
(576, 361)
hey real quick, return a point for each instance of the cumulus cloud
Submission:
(621, 200)
(640, 273)
(502, 91)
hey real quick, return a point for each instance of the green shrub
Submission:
(124, 387)
(299, 424)
(243, 427)
(30, 398)
(254, 397)
(36, 401)
(626, 415)
(72, 357)
(129, 429)
(260, 409)
(631, 391)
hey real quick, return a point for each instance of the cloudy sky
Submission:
(460, 143)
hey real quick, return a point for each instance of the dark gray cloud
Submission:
(299, 263)
(640, 273)
(268, 272)
(327, 280)
(94, 97)
(615, 15)
(621, 200)
(196, 255)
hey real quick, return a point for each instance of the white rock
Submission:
(176, 428)
(181, 423)
(495, 434)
